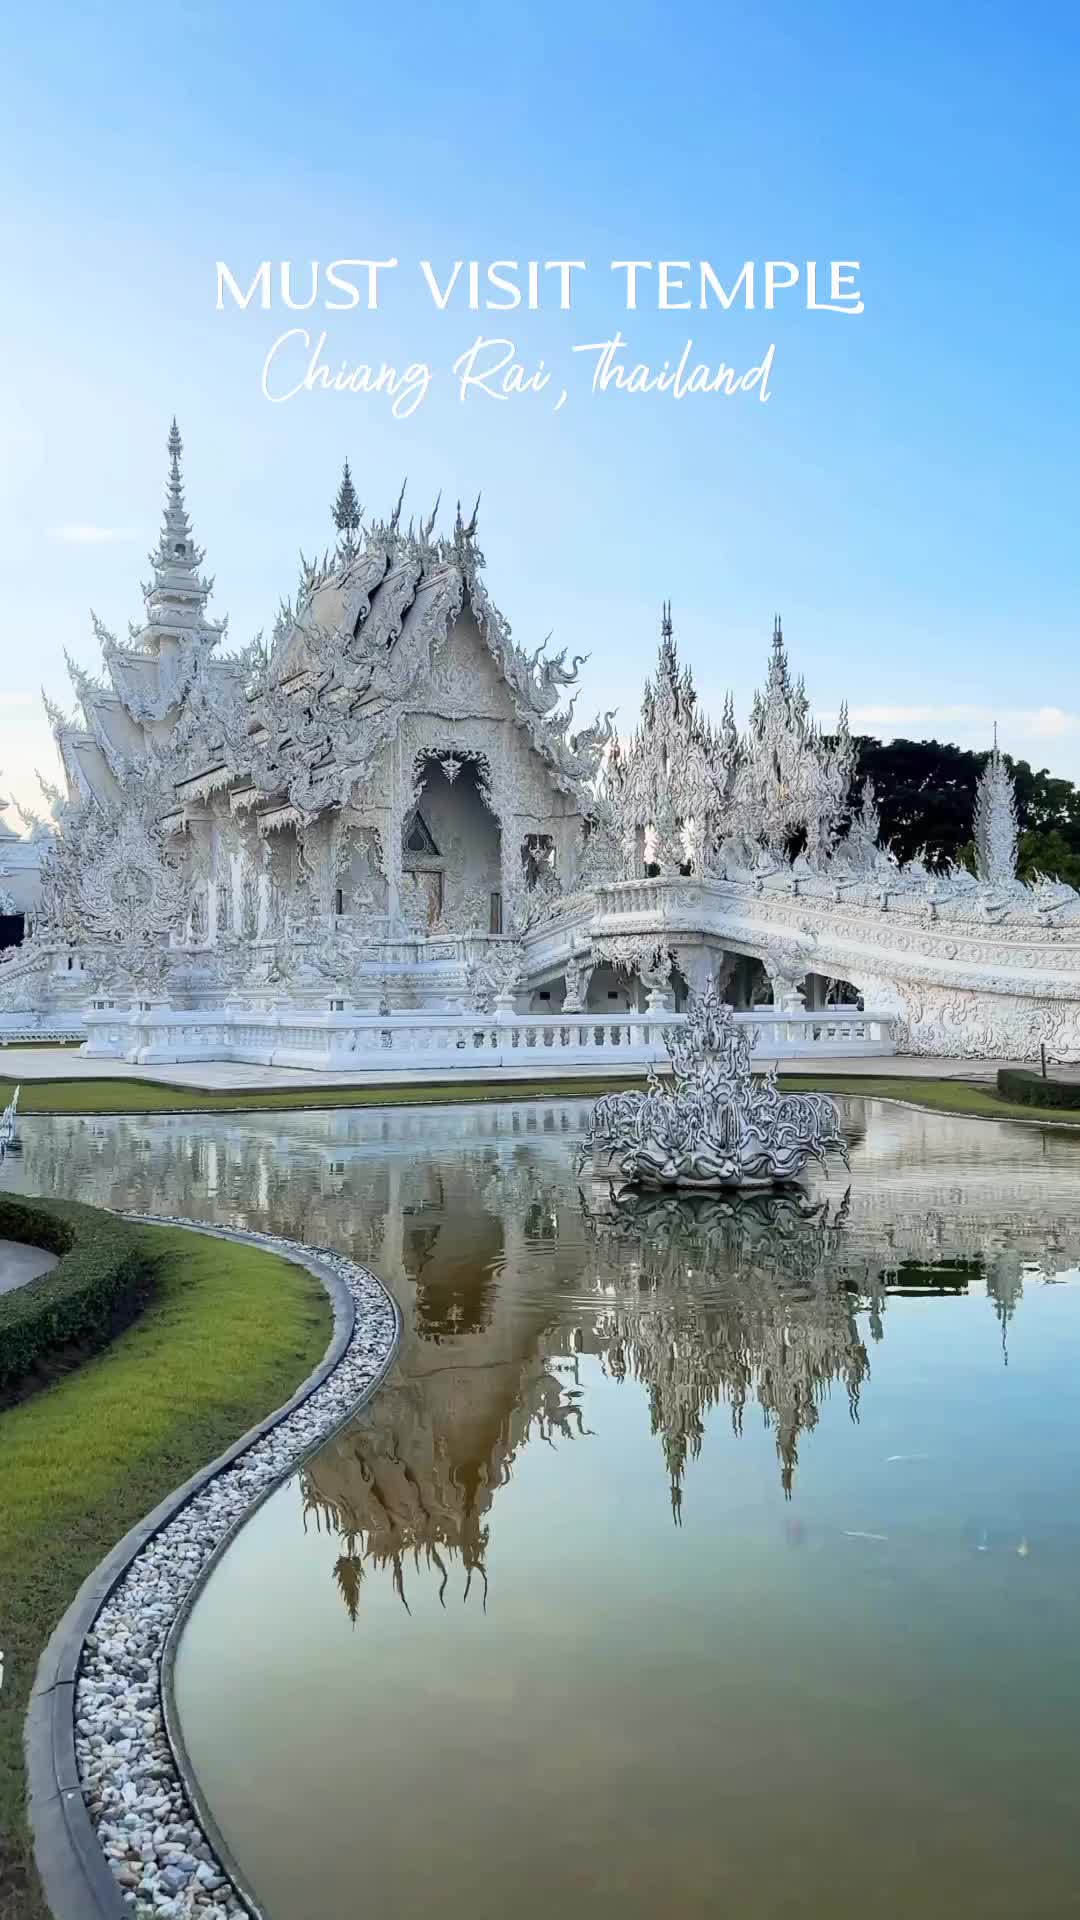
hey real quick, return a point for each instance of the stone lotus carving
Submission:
(717, 1125)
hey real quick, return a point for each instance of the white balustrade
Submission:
(427, 1045)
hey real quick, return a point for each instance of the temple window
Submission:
(339, 900)
(418, 837)
(496, 913)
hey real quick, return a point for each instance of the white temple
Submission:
(390, 810)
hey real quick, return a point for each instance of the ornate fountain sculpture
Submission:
(715, 1124)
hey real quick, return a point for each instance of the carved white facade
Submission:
(388, 807)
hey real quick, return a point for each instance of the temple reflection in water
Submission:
(515, 1281)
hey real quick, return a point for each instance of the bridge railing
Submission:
(418, 1045)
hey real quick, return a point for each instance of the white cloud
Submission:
(972, 722)
(89, 536)
(1046, 736)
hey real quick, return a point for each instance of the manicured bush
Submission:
(1031, 1090)
(97, 1282)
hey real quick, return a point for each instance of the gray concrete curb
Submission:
(76, 1878)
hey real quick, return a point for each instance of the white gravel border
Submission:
(134, 1790)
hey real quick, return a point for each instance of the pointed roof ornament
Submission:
(396, 515)
(465, 530)
(177, 595)
(427, 526)
(346, 513)
(57, 719)
(666, 628)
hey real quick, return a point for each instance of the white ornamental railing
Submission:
(420, 1045)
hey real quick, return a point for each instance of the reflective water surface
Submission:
(695, 1558)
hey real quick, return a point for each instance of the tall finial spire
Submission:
(176, 599)
(176, 448)
(346, 512)
(996, 827)
(176, 550)
(666, 628)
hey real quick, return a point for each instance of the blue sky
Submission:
(907, 498)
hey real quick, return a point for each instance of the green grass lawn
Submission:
(228, 1334)
(943, 1096)
(12, 1046)
(148, 1096)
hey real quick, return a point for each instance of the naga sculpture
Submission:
(715, 1124)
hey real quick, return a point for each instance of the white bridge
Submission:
(423, 1045)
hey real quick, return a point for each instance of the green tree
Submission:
(926, 799)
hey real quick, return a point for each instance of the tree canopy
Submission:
(926, 798)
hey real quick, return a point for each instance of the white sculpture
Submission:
(716, 1124)
(9, 1139)
(996, 831)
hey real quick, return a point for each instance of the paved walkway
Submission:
(60, 1063)
(19, 1263)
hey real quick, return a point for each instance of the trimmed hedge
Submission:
(1031, 1090)
(97, 1282)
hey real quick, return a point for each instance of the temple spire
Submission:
(346, 514)
(176, 546)
(778, 663)
(176, 598)
(996, 825)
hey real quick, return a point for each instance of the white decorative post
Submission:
(996, 826)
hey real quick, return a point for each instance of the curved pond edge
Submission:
(171, 1553)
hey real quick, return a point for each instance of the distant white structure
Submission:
(20, 868)
(996, 830)
(387, 810)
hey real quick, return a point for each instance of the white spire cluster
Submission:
(791, 781)
(685, 786)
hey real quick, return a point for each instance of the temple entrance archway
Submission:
(451, 854)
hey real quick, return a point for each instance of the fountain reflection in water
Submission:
(874, 1510)
(511, 1270)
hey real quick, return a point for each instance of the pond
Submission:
(694, 1559)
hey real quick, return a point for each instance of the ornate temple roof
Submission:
(370, 620)
(299, 724)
